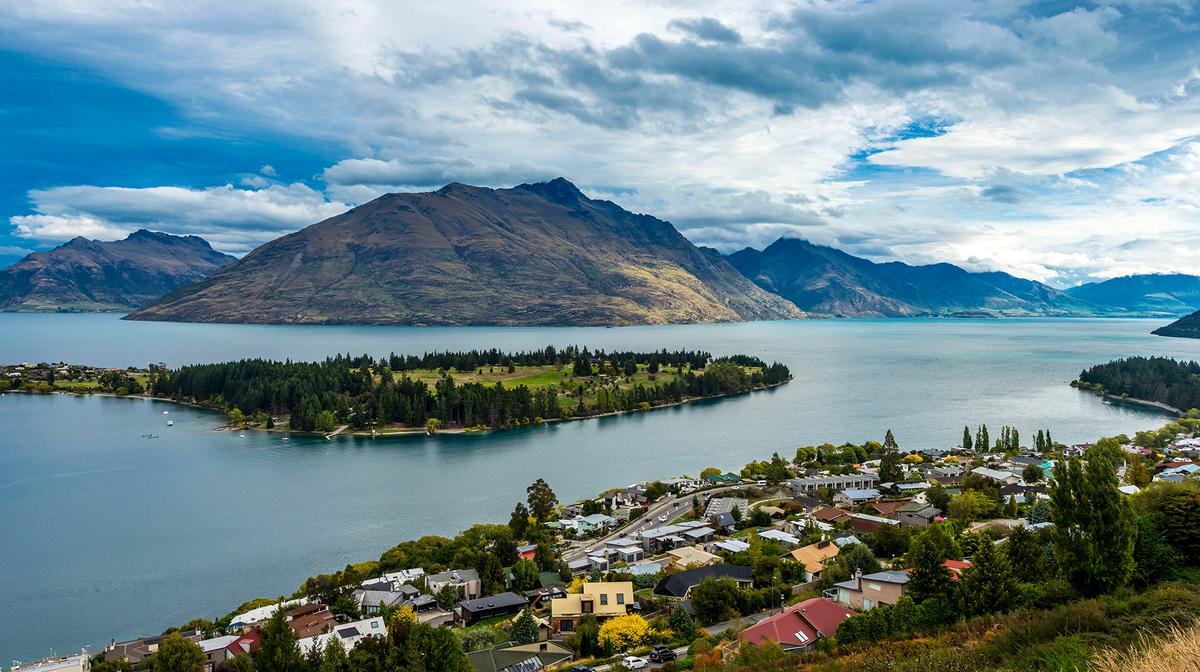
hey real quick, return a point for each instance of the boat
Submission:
(328, 438)
(165, 412)
(285, 438)
(170, 423)
(241, 436)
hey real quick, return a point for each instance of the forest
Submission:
(1160, 379)
(362, 391)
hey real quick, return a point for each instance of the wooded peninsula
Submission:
(1161, 380)
(479, 389)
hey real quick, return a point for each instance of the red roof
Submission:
(800, 624)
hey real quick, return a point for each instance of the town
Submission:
(840, 544)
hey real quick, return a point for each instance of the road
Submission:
(672, 508)
(681, 652)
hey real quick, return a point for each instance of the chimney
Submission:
(858, 580)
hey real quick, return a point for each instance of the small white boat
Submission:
(170, 423)
(285, 438)
(241, 436)
(166, 412)
(328, 438)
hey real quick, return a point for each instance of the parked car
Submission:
(633, 663)
(661, 654)
(663, 518)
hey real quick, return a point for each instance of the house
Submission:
(465, 581)
(855, 496)
(1001, 477)
(699, 535)
(216, 650)
(729, 546)
(370, 602)
(831, 515)
(911, 488)
(887, 508)
(310, 620)
(722, 479)
(814, 557)
(550, 579)
(511, 657)
(811, 484)
(692, 556)
(679, 585)
(394, 580)
(502, 604)
(915, 514)
(724, 522)
(527, 551)
(798, 627)
(603, 600)
(780, 537)
(868, 524)
(593, 523)
(79, 662)
(137, 650)
(349, 634)
(845, 539)
(719, 505)
(626, 550)
(644, 569)
(247, 619)
(659, 539)
(866, 592)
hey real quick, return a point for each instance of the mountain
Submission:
(829, 281)
(91, 275)
(536, 254)
(1174, 294)
(1184, 327)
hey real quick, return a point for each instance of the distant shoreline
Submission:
(403, 433)
(1167, 408)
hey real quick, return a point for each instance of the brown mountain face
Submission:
(536, 254)
(90, 275)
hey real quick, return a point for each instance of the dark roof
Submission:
(514, 658)
(500, 601)
(677, 585)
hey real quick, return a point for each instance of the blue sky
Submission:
(1058, 141)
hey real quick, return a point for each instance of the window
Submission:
(620, 598)
(566, 625)
(874, 586)
(603, 598)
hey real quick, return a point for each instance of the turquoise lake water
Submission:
(104, 534)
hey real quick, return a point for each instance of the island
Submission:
(434, 392)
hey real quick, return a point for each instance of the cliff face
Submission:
(87, 274)
(536, 254)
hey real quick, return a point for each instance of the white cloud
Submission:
(234, 220)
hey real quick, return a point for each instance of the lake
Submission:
(105, 534)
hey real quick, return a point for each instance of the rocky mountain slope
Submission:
(1156, 294)
(828, 281)
(90, 275)
(536, 254)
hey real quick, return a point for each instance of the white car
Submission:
(663, 518)
(633, 663)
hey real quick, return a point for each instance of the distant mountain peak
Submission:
(559, 190)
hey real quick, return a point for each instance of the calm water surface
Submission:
(104, 534)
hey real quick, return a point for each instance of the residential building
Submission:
(729, 546)
(137, 650)
(810, 484)
(1001, 477)
(501, 604)
(855, 496)
(510, 657)
(814, 557)
(626, 550)
(79, 662)
(603, 600)
(719, 505)
(868, 524)
(370, 602)
(465, 581)
(349, 634)
(692, 556)
(679, 585)
(915, 514)
(798, 627)
(887, 508)
(245, 620)
(872, 590)
(310, 620)
(216, 650)
(780, 537)
(831, 515)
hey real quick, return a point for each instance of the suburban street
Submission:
(672, 508)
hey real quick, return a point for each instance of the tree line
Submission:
(1160, 379)
(362, 391)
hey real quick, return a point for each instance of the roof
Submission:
(596, 519)
(643, 568)
(690, 555)
(800, 625)
(454, 576)
(510, 657)
(889, 507)
(678, 585)
(813, 556)
(732, 545)
(859, 493)
(499, 601)
(547, 579)
(699, 532)
(216, 643)
(779, 535)
(830, 514)
(994, 474)
(608, 598)
(889, 576)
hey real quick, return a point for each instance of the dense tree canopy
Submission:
(1160, 379)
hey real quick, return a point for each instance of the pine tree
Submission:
(889, 464)
(278, 651)
(927, 554)
(984, 441)
(966, 441)
(988, 586)
(524, 628)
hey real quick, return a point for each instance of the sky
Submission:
(1057, 141)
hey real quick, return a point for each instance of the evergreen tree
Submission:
(1094, 527)
(1026, 554)
(889, 465)
(278, 650)
(966, 440)
(1010, 510)
(984, 442)
(926, 554)
(682, 623)
(524, 628)
(988, 586)
(542, 500)
(519, 521)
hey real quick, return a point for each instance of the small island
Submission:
(434, 392)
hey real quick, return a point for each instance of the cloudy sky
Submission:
(1057, 141)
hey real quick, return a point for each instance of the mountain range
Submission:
(535, 254)
(828, 281)
(1155, 294)
(91, 275)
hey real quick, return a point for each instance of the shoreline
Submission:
(402, 433)
(1165, 408)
